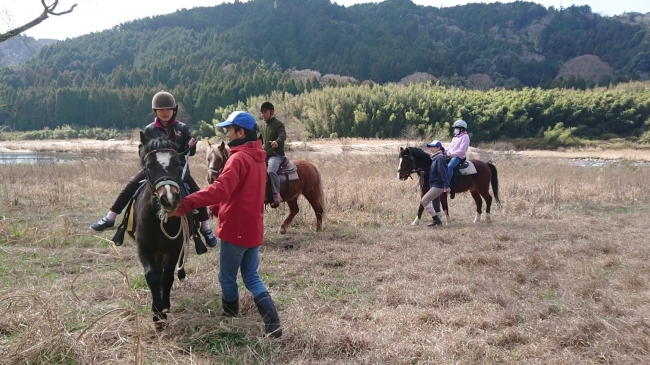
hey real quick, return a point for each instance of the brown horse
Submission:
(415, 160)
(308, 184)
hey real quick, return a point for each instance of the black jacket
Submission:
(155, 130)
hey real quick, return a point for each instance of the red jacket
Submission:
(239, 195)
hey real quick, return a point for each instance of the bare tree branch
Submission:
(47, 11)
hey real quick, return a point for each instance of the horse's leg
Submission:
(445, 206)
(153, 276)
(293, 210)
(485, 193)
(479, 205)
(418, 218)
(315, 203)
(167, 282)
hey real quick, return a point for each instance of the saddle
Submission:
(465, 167)
(128, 224)
(287, 172)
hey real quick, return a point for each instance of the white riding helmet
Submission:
(459, 124)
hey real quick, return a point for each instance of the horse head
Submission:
(406, 164)
(162, 168)
(216, 155)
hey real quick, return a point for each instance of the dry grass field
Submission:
(560, 276)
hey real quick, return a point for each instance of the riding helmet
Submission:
(267, 106)
(459, 124)
(163, 100)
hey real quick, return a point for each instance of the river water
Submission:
(38, 158)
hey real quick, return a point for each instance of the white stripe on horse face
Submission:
(170, 196)
(163, 159)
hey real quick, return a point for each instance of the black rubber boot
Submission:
(229, 309)
(436, 222)
(269, 314)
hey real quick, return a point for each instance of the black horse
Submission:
(413, 160)
(162, 243)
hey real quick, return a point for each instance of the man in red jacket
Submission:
(237, 198)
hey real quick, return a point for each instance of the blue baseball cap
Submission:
(239, 118)
(435, 144)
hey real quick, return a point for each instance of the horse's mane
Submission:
(160, 143)
(419, 154)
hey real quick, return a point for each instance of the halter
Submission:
(163, 180)
(413, 164)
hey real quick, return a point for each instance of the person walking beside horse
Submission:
(237, 198)
(438, 182)
(273, 135)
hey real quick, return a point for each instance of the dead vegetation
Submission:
(559, 277)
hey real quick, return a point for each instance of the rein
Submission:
(185, 229)
(163, 216)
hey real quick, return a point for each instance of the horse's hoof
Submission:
(282, 230)
(161, 325)
(416, 222)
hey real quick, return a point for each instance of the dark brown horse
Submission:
(413, 160)
(161, 241)
(308, 184)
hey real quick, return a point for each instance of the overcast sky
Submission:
(97, 15)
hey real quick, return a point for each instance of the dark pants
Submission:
(132, 186)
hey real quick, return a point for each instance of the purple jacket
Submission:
(459, 146)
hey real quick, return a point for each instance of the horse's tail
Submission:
(495, 183)
(321, 193)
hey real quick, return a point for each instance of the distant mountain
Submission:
(221, 55)
(18, 50)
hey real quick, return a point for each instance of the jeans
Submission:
(231, 259)
(273, 164)
(455, 161)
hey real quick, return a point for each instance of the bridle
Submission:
(162, 215)
(163, 180)
(412, 169)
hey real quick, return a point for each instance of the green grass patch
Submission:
(232, 347)
(138, 282)
(548, 295)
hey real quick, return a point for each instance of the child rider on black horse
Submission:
(165, 108)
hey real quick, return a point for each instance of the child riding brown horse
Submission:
(413, 159)
(308, 184)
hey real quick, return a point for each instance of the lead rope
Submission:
(185, 228)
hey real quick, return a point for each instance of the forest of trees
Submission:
(215, 57)
(556, 116)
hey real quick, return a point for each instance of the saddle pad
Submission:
(469, 170)
(129, 225)
(288, 171)
(288, 177)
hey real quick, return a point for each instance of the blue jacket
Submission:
(438, 172)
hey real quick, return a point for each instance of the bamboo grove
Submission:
(557, 116)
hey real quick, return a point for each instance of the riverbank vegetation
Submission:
(528, 118)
